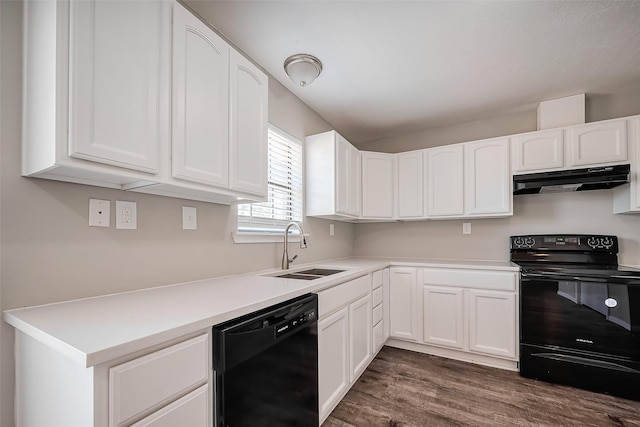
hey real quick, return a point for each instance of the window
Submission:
(284, 188)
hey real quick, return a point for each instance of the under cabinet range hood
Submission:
(596, 178)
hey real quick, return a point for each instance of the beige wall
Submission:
(49, 253)
(581, 212)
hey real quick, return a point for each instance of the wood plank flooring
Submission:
(403, 388)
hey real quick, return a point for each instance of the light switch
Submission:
(466, 228)
(189, 219)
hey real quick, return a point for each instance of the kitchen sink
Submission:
(311, 274)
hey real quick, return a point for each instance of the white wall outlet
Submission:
(99, 213)
(466, 228)
(189, 218)
(126, 215)
(332, 230)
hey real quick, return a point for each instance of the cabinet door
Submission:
(377, 185)
(598, 143)
(410, 185)
(191, 410)
(117, 82)
(385, 304)
(538, 151)
(343, 176)
(492, 323)
(444, 318)
(444, 184)
(200, 142)
(355, 181)
(248, 109)
(403, 304)
(360, 329)
(487, 177)
(333, 360)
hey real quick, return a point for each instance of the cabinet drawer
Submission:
(190, 410)
(333, 298)
(377, 314)
(378, 336)
(482, 279)
(377, 279)
(377, 296)
(146, 382)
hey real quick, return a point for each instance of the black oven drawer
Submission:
(595, 317)
(580, 369)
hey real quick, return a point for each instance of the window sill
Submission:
(263, 237)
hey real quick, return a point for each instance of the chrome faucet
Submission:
(303, 244)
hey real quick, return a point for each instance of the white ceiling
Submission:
(398, 67)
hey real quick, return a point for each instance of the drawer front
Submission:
(377, 296)
(378, 336)
(377, 314)
(157, 378)
(480, 279)
(377, 279)
(333, 298)
(190, 410)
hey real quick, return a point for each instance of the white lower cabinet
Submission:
(404, 304)
(443, 316)
(471, 310)
(344, 340)
(333, 360)
(492, 325)
(189, 411)
(163, 388)
(143, 384)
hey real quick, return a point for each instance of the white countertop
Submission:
(95, 330)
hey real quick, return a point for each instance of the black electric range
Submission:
(579, 312)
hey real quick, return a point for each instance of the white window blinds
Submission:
(284, 187)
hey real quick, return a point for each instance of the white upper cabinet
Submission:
(377, 184)
(444, 184)
(96, 90)
(115, 96)
(488, 178)
(581, 146)
(115, 82)
(598, 143)
(332, 177)
(248, 107)
(409, 184)
(538, 151)
(626, 198)
(200, 143)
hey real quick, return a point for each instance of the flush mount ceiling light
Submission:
(302, 68)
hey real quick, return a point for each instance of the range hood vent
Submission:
(571, 180)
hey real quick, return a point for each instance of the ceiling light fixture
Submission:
(302, 68)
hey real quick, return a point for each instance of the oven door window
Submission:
(591, 316)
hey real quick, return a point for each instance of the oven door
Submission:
(593, 316)
(582, 332)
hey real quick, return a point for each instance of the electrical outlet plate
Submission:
(189, 218)
(126, 215)
(99, 213)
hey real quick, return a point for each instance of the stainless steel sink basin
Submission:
(311, 274)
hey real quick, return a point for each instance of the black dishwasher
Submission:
(266, 367)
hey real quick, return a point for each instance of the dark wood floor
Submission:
(403, 388)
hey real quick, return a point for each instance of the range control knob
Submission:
(600, 242)
(524, 242)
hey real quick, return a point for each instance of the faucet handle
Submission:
(294, 258)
